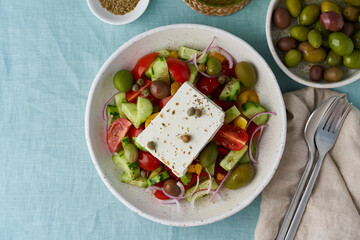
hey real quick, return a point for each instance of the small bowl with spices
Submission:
(118, 12)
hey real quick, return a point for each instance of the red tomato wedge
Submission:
(225, 105)
(160, 195)
(118, 129)
(132, 96)
(207, 85)
(178, 69)
(222, 152)
(134, 132)
(251, 128)
(231, 137)
(164, 101)
(142, 64)
(147, 161)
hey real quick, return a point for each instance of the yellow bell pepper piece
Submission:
(150, 118)
(240, 122)
(195, 168)
(173, 54)
(218, 56)
(247, 96)
(174, 87)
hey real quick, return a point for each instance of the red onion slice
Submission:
(226, 54)
(171, 201)
(197, 68)
(222, 182)
(258, 114)
(152, 188)
(196, 195)
(252, 159)
(107, 102)
(202, 54)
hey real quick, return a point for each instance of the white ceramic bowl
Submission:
(108, 17)
(300, 73)
(144, 203)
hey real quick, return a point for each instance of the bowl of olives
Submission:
(316, 42)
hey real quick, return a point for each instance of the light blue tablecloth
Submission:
(50, 53)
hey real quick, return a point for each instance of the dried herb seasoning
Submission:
(119, 7)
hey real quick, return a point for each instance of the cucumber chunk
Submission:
(155, 172)
(193, 74)
(231, 114)
(140, 181)
(138, 145)
(245, 158)
(120, 98)
(158, 70)
(230, 91)
(203, 185)
(163, 53)
(130, 110)
(158, 178)
(131, 169)
(188, 53)
(144, 110)
(112, 111)
(249, 109)
(186, 178)
(232, 158)
(125, 141)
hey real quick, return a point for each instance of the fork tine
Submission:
(330, 126)
(342, 119)
(328, 113)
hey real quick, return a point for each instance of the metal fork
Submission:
(325, 138)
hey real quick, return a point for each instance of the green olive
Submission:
(245, 72)
(213, 66)
(240, 176)
(315, 38)
(353, 60)
(292, 58)
(311, 54)
(328, 6)
(309, 14)
(333, 74)
(294, 7)
(123, 80)
(340, 43)
(131, 152)
(355, 3)
(324, 32)
(325, 43)
(356, 40)
(333, 59)
(208, 155)
(300, 33)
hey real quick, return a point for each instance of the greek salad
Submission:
(185, 123)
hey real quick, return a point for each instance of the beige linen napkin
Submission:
(333, 208)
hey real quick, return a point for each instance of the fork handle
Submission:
(304, 200)
(295, 201)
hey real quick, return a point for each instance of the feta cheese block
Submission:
(173, 122)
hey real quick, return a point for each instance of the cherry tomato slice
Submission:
(225, 68)
(147, 161)
(231, 137)
(207, 85)
(160, 195)
(178, 69)
(142, 64)
(118, 129)
(217, 91)
(222, 152)
(164, 101)
(251, 128)
(134, 132)
(132, 96)
(225, 105)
